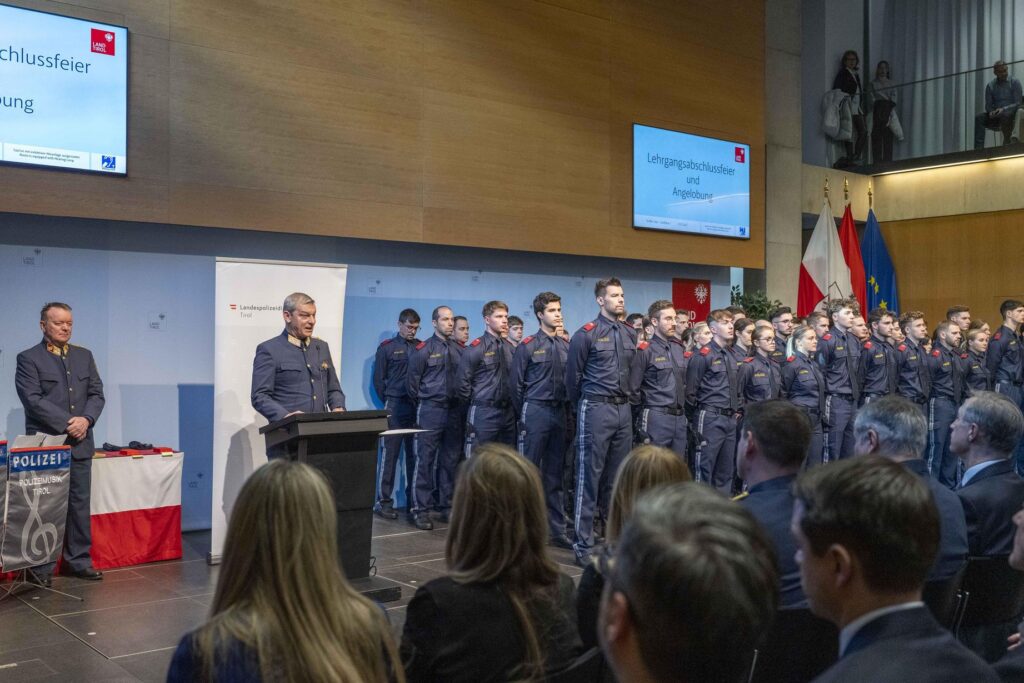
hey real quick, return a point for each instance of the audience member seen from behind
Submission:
(505, 612)
(1002, 100)
(645, 468)
(984, 435)
(773, 444)
(894, 428)
(1011, 667)
(283, 610)
(690, 589)
(868, 531)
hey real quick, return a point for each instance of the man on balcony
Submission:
(1002, 100)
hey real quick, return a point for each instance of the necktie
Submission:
(922, 373)
(890, 368)
(557, 374)
(850, 369)
(676, 375)
(502, 375)
(620, 353)
(730, 370)
(773, 382)
(954, 369)
(821, 387)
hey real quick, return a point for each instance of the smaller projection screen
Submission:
(63, 92)
(688, 183)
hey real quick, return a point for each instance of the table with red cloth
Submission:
(136, 507)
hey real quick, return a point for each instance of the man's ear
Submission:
(615, 620)
(844, 565)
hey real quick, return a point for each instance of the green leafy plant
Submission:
(756, 304)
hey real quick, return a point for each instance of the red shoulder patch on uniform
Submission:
(902, 347)
(935, 353)
(827, 336)
(867, 345)
(421, 345)
(748, 360)
(642, 345)
(386, 342)
(589, 326)
(527, 340)
(997, 336)
(688, 354)
(476, 342)
(791, 359)
(963, 356)
(705, 351)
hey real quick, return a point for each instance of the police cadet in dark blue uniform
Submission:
(391, 382)
(293, 372)
(431, 385)
(782, 322)
(839, 356)
(482, 382)
(913, 381)
(945, 368)
(803, 385)
(712, 397)
(977, 375)
(658, 377)
(454, 443)
(1006, 362)
(878, 358)
(537, 387)
(597, 384)
(760, 376)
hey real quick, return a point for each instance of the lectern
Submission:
(344, 447)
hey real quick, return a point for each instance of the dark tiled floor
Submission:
(125, 627)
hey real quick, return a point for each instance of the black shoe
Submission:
(88, 574)
(561, 542)
(445, 516)
(422, 522)
(385, 511)
(581, 561)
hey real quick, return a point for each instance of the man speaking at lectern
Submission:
(293, 372)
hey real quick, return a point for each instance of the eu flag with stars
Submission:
(878, 269)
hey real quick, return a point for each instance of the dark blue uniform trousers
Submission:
(604, 436)
(402, 416)
(486, 423)
(839, 414)
(542, 442)
(816, 446)
(660, 428)
(942, 464)
(1013, 392)
(449, 458)
(428, 446)
(714, 462)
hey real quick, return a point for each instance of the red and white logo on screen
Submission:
(741, 155)
(102, 42)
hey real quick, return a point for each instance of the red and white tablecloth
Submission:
(136, 509)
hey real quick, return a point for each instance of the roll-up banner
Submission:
(249, 296)
(37, 506)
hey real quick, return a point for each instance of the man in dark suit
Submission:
(773, 443)
(293, 372)
(60, 388)
(894, 428)
(984, 436)
(868, 531)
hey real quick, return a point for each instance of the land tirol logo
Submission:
(102, 42)
(741, 155)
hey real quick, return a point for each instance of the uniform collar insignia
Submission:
(295, 341)
(58, 350)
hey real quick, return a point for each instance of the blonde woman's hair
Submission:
(281, 591)
(498, 534)
(646, 467)
(799, 333)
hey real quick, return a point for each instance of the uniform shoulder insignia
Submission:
(589, 326)
(705, 351)
(528, 339)
(867, 345)
(791, 359)
(748, 360)
(901, 347)
(385, 342)
(997, 336)
(421, 345)
(963, 356)
(688, 354)
(935, 353)
(642, 345)
(741, 496)
(827, 336)
(475, 342)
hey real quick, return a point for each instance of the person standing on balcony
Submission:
(883, 104)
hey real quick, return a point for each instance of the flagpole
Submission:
(871, 197)
(828, 252)
(846, 189)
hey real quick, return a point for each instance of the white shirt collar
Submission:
(974, 469)
(851, 629)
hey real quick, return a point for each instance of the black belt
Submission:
(1008, 381)
(545, 402)
(438, 401)
(492, 404)
(726, 412)
(843, 397)
(671, 410)
(811, 412)
(596, 398)
(919, 401)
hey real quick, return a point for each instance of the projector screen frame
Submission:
(127, 101)
(632, 193)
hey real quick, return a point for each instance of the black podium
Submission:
(344, 447)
